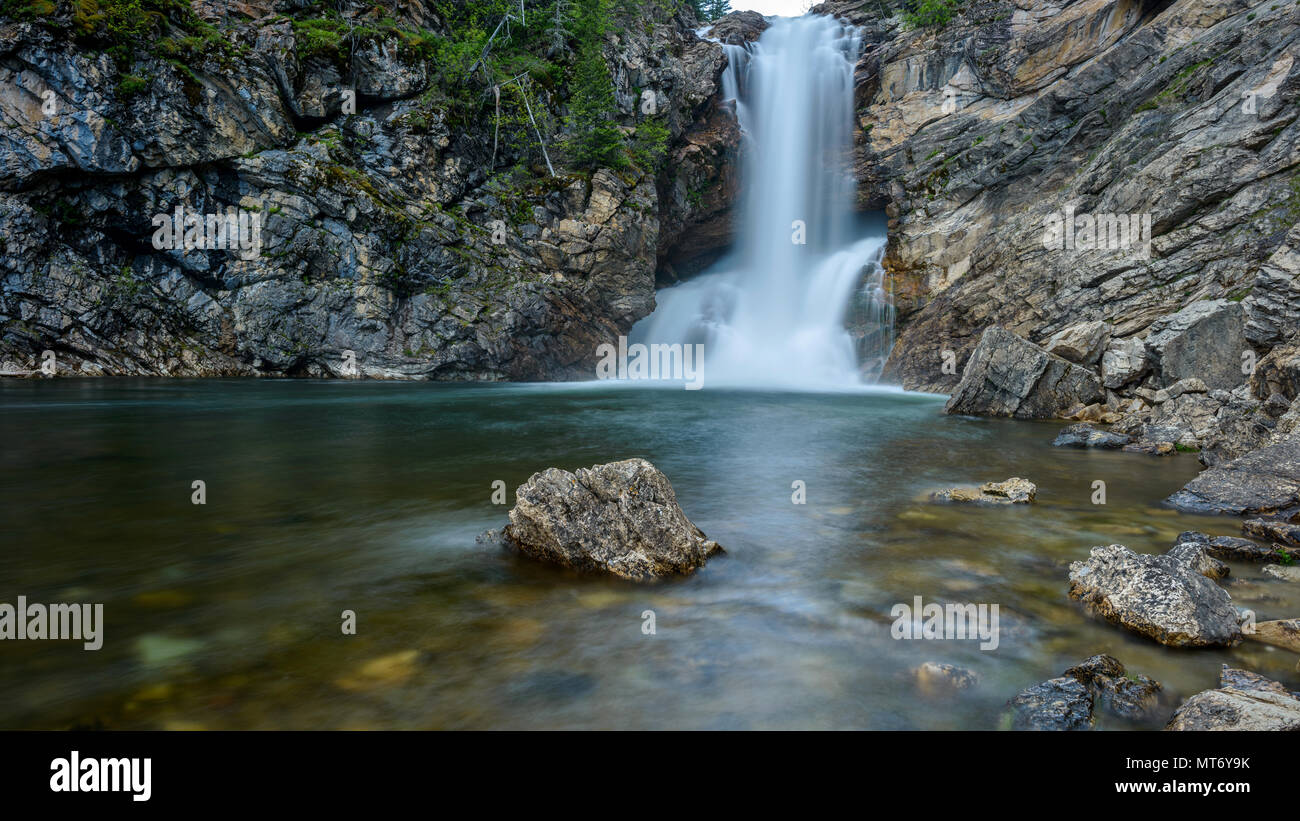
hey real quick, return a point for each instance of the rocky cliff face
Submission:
(978, 135)
(1120, 179)
(394, 225)
(1116, 174)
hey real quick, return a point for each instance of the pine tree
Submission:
(557, 32)
(596, 140)
(715, 9)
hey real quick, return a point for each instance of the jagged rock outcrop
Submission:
(1278, 373)
(1265, 481)
(739, 28)
(399, 233)
(1082, 344)
(1009, 376)
(1243, 701)
(983, 136)
(620, 518)
(1203, 341)
(1273, 306)
(1220, 425)
(1169, 598)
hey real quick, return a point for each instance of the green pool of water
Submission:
(367, 496)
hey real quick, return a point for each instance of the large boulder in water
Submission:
(1169, 598)
(1010, 376)
(1244, 701)
(620, 518)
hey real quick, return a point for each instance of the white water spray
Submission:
(774, 312)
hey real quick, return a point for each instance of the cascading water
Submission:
(774, 312)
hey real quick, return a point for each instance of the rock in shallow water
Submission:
(935, 678)
(1067, 702)
(1265, 481)
(620, 518)
(1283, 532)
(1056, 704)
(1286, 574)
(1284, 633)
(1083, 435)
(1168, 598)
(1013, 491)
(1244, 701)
(1233, 548)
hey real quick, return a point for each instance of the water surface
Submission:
(368, 496)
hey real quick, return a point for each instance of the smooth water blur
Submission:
(367, 496)
(773, 313)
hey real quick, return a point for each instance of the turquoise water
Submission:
(367, 496)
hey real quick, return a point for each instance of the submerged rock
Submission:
(1168, 598)
(1244, 701)
(938, 679)
(620, 518)
(1283, 572)
(1083, 435)
(1013, 491)
(1068, 702)
(1010, 376)
(1264, 481)
(384, 671)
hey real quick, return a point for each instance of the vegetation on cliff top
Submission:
(927, 13)
(560, 53)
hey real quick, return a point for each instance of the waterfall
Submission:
(800, 302)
